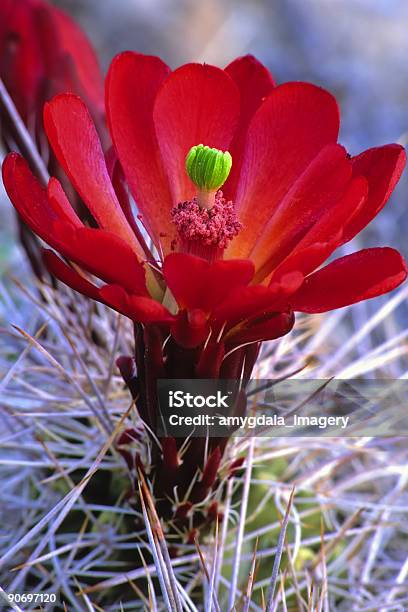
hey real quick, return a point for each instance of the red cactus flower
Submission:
(244, 259)
(43, 52)
(228, 268)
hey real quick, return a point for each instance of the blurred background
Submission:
(357, 49)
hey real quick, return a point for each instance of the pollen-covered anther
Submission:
(211, 227)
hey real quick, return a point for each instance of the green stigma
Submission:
(208, 168)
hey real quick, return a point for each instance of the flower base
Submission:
(186, 476)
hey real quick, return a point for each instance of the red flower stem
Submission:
(22, 136)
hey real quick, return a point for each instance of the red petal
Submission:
(28, 197)
(76, 144)
(111, 295)
(382, 167)
(286, 133)
(69, 276)
(196, 104)
(43, 51)
(73, 42)
(138, 308)
(254, 82)
(247, 302)
(146, 310)
(326, 234)
(101, 253)
(319, 187)
(60, 204)
(104, 255)
(195, 283)
(306, 260)
(190, 329)
(131, 87)
(21, 61)
(118, 179)
(269, 327)
(350, 279)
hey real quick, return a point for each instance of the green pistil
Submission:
(208, 169)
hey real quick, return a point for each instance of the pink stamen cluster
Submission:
(214, 226)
